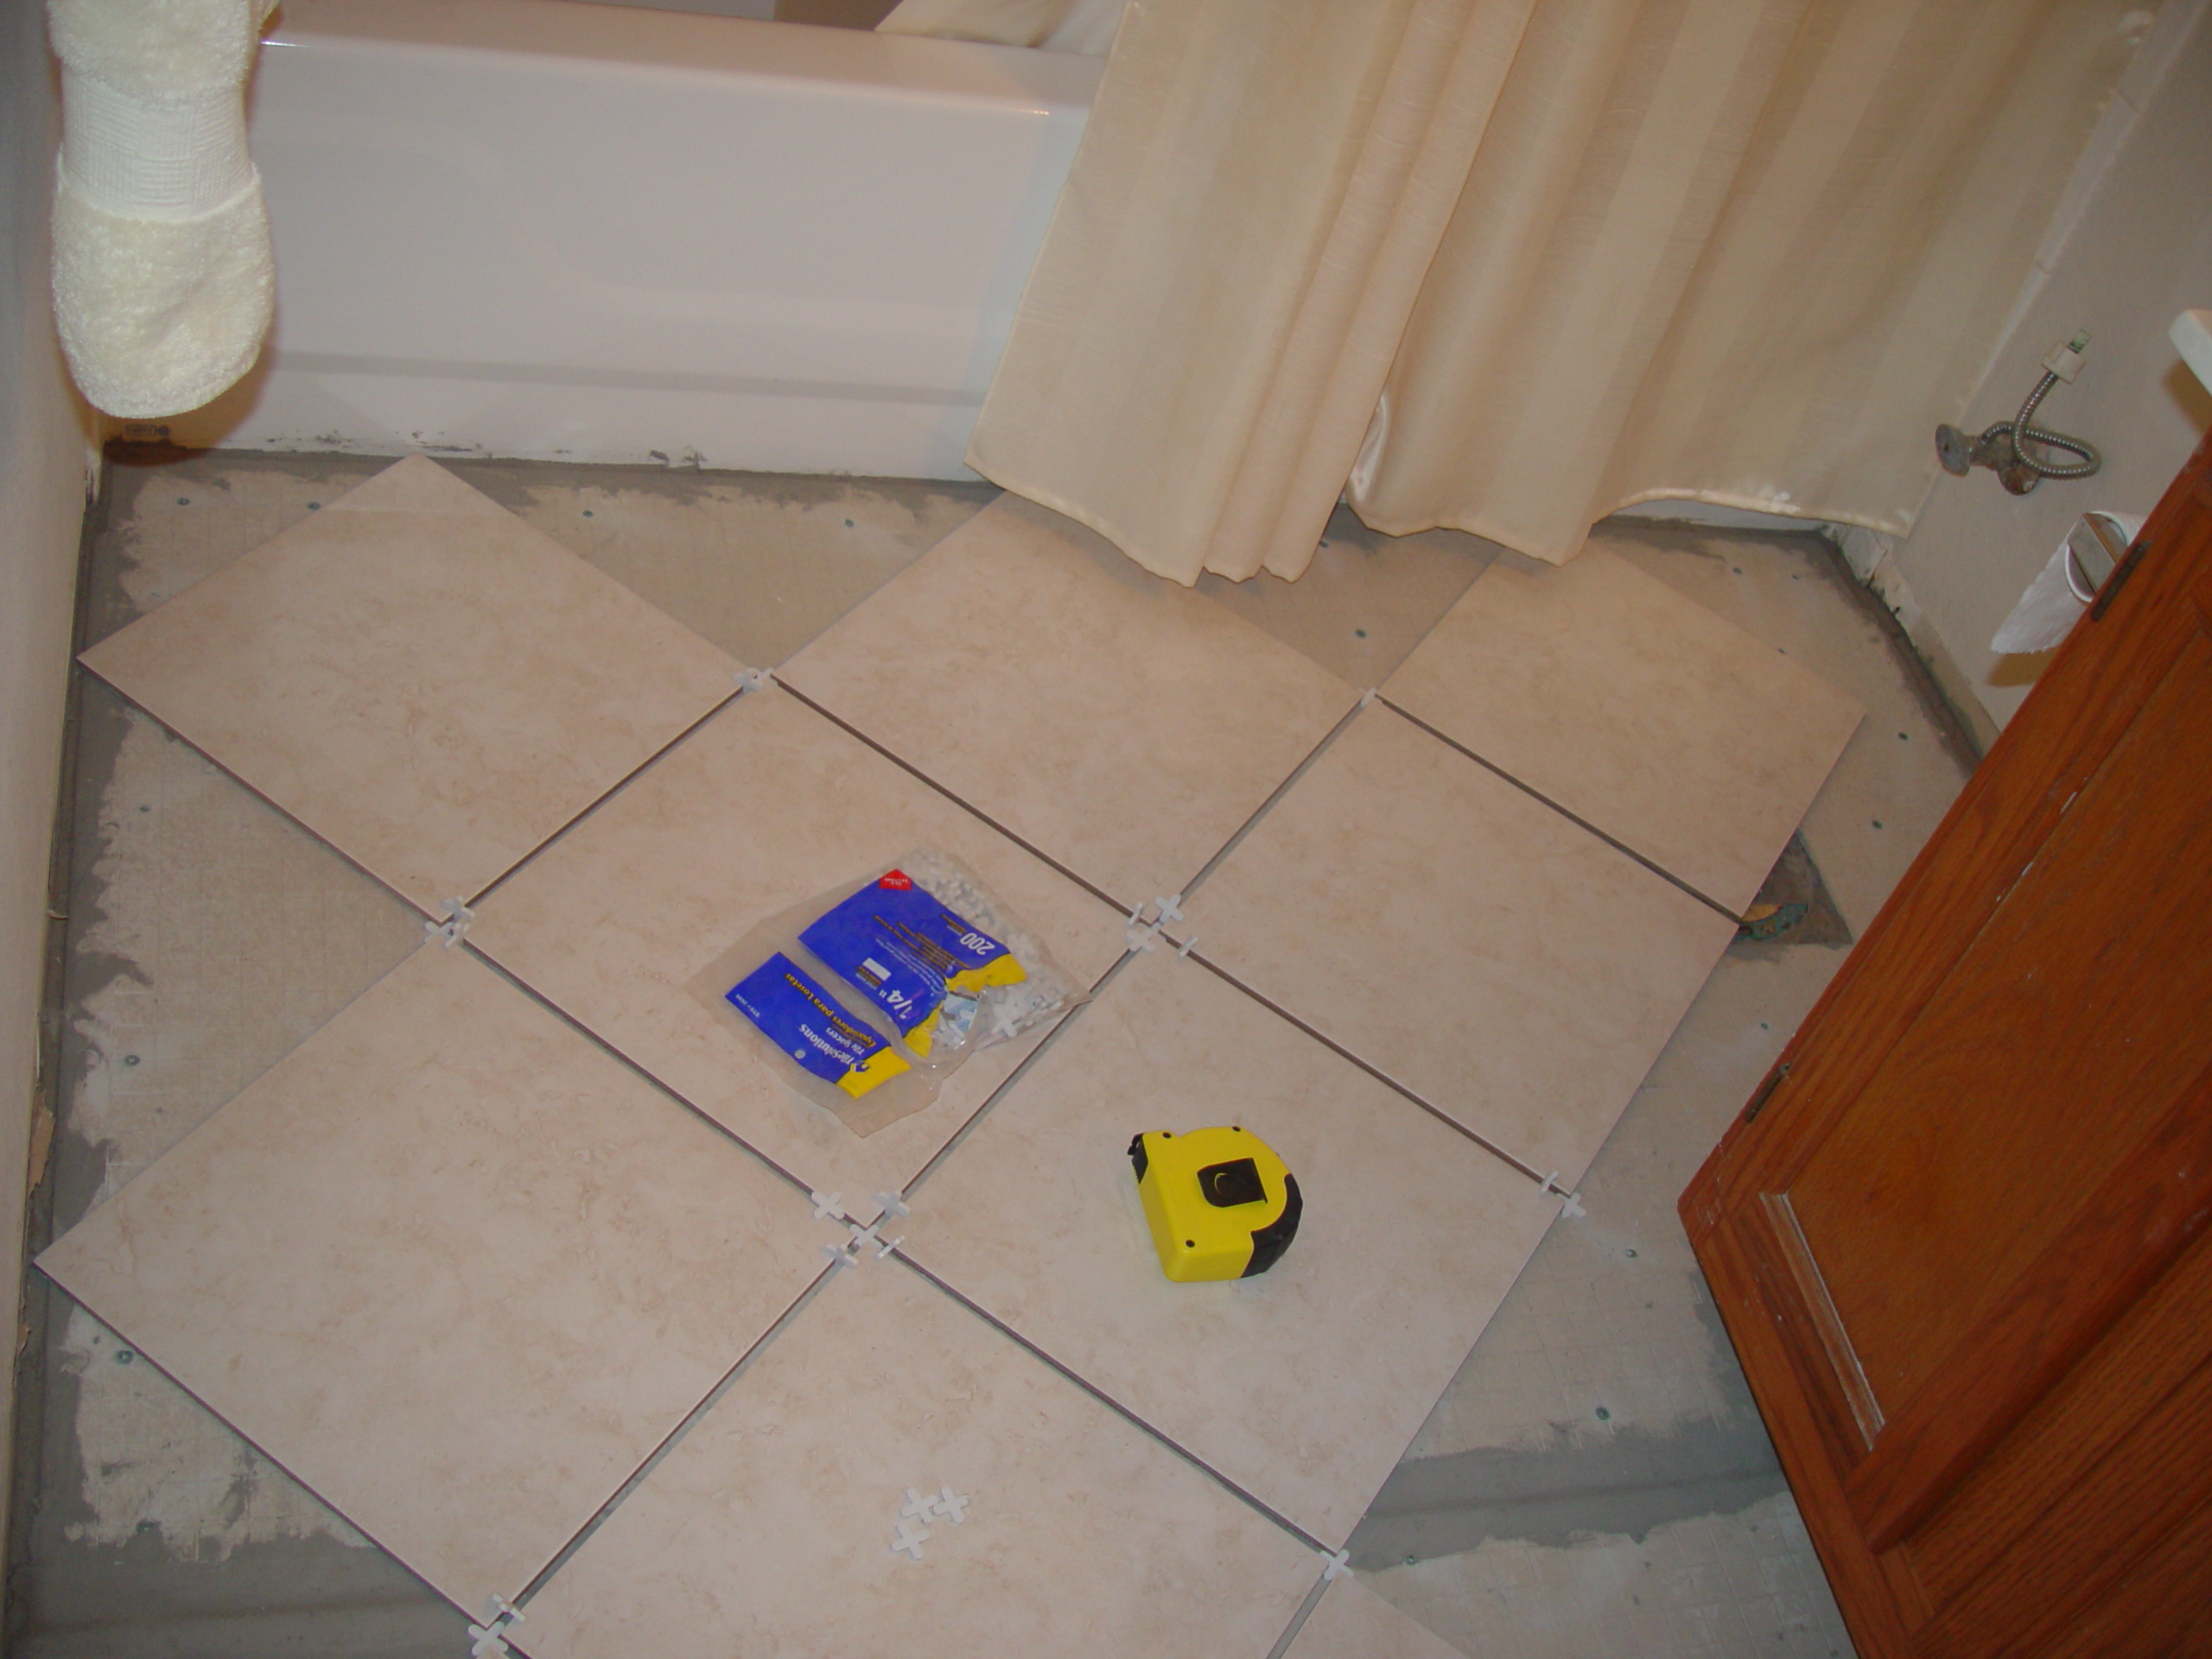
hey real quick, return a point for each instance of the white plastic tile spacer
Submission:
(893, 1203)
(952, 1505)
(842, 1256)
(828, 1205)
(1368, 696)
(1570, 1203)
(1338, 1565)
(861, 1235)
(449, 932)
(1142, 938)
(489, 1638)
(1171, 907)
(917, 1507)
(909, 1536)
(754, 679)
(1187, 946)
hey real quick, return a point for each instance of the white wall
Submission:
(42, 459)
(2129, 250)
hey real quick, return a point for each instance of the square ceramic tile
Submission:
(1351, 1622)
(1487, 953)
(452, 1266)
(766, 805)
(1302, 1384)
(1602, 689)
(421, 678)
(770, 1528)
(1122, 726)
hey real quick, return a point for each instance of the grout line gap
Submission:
(975, 1118)
(636, 1070)
(1116, 1406)
(1275, 795)
(968, 807)
(1575, 819)
(1298, 1619)
(1380, 1075)
(597, 801)
(659, 1453)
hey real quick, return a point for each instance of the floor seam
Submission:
(622, 783)
(1277, 794)
(1575, 819)
(674, 1437)
(1380, 1075)
(1298, 1619)
(1115, 1406)
(672, 1095)
(967, 806)
(975, 1120)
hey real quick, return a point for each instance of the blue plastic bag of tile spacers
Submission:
(866, 998)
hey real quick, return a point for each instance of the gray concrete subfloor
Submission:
(1595, 1482)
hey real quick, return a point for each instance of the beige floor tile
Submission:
(419, 678)
(768, 1529)
(450, 1265)
(1904, 765)
(1351, 1622)
(1508, 967)
(764, 807)
(1302, 1384)
(1121, 725)
(1635, 709)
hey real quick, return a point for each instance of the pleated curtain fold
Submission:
(1506, 265)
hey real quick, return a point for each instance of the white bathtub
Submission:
(535, 228)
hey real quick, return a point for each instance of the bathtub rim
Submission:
(689, 43)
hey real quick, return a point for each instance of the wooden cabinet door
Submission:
(1958, 1235)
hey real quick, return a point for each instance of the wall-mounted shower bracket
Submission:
(2017, 450)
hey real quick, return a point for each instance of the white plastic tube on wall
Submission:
(163, 281)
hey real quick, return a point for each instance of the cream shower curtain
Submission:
(1508, 264)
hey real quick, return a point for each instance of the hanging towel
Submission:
(163, 281)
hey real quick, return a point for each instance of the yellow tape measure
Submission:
(1220, 1203)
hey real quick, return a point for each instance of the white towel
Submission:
(163, 281)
